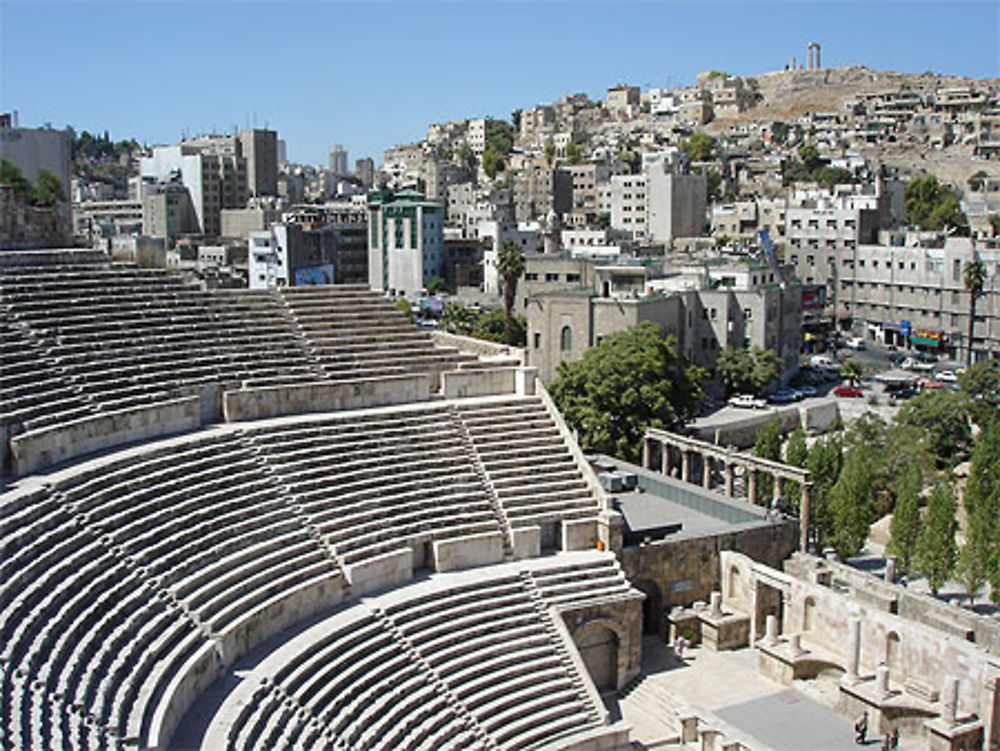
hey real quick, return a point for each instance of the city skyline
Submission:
(370, 76)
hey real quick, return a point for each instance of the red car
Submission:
(846, 390)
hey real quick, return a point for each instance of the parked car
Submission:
(848, 391)
(746, 401)
(911, 363)
(806, 390)
(856, 342)
(784, 396)
(947, 376)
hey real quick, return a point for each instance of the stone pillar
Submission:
(882, 680)
(729, 479)
(949, 701)
(706, 471)
(853, 647)
(817, 56)
(810, 55)
(752, 485)
(645, 452)
(890, 569)
(685, 465)
(779, 487)
(795, 645)
(716, 602)
(804, 505)
(664, 458)
(771, 629)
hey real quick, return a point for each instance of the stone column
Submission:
(795, 645)
(779, 487)
(804, 505)
(771, 629)
(685, 465)
(890, 569)
(706, 471)
(716, 603)
(729, 479)
(949, 701)
(853, 647)
(882, 680)
(645, 452)
(752, 485)
(664, 458)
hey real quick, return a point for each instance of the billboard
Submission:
(308, 276)
(926, 337)
(813, 298)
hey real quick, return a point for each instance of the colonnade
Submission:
(685, 453)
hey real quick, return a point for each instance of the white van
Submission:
(822, 361)
(856, 342)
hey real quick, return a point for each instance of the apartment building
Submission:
(259, 147)
(35, 149)
(658, 205)
(539, 190)
(167, 212)
(909, 291)
(405, 242)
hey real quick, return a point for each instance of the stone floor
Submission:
(725, 689)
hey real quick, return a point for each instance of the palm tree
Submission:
(975, 280)
(852, 371)
(510, 266)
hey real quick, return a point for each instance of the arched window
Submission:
(566, 339)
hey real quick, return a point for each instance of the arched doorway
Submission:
(893, 658)
(652, 607)
(598, 647)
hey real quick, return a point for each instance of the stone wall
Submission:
(624, 619)
(476, 346)
(36, 449)
(467, 383)
(743, 432)
(274, 401)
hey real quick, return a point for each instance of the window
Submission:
(552, 277)
(712, 313)
(566, 339)
(748, 314)
(530, 276)
(538, 340)
(572, 277)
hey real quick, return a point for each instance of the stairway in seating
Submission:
(403, 642)
(491, 494)
(644, 695)
(545, 615)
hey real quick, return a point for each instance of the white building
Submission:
(405, 242)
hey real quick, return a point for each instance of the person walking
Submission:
(861, 729)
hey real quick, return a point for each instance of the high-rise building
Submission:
(34, 149)
(365, 170)
(260, 149)
(338, 161)
(405, 242)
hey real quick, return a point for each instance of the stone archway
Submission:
(598, 646)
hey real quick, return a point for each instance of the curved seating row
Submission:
(463, 661)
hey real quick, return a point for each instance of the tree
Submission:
(700, 147)
(491, 326)
(550, 152)
(796, 454)
(975, 182)
(974, 278)
(633, 380)
(11, 175)
(906, 517)
(981, 384)
(768, 446)
(492, 162)
(825, 460)
(850, 503)
(500, 136)
(458, 319)
(943, 415)
(935, 553)
(435, 285)
(510, 266)
(980, 555)
(574, 153)
(713, 185)
(747, 370)
(828, 176)
(851, 370)
(810, 157)
(933, 206)
(403, 306)
(515, 118)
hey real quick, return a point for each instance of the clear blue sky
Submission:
(370, 75)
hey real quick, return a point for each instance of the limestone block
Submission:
(468, 551)
(387, 569)
(579, 534)
(527, 542)
(525, 381)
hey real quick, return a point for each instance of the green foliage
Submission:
(825, 460)
(631, 381)
(936, 551)
(466, 155)
(851, 370)
(747, 370)
(974, 279)
(515, 118)
(779, 132)
(767, 446)
(943, 415)
(458, 319)
(713, 184)
(981, 384)
(435, 285)
(550, 152)
(491, 327)
(405, 308)
(980, 555)
(500, 136)
(492, 162)
(830, 176)
(850, 503)
(906, 517)
(48, 190)
(975, 182)
(810, 157)
(994, 220)
(602, 220)
(700, 147)
(11, 175)
(796, 454)
(933, 206)
(510, 266)
(574, 153)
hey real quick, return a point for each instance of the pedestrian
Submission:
(894, 741)
(679, 645)
(861, 729)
